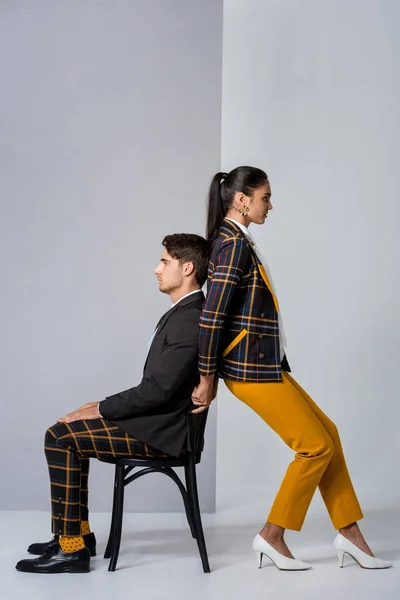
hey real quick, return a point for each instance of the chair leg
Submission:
(194, 501)
(120, 488)
(108, 550)
(188, 505)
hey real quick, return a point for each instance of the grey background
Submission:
(110, 129)
(311, 93)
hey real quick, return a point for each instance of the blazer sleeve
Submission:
(230, 266)
(178, 356)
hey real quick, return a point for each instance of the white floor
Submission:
(159, 560)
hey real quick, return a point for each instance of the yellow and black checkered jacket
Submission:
(239, 332)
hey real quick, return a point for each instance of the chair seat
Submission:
(167, 461)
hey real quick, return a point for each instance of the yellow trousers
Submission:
(319, 460)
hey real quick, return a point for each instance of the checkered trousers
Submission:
(68, 447)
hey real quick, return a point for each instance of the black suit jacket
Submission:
(155, 411)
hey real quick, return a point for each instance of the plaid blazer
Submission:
(239, 332)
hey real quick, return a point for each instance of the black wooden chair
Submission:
(188, 459)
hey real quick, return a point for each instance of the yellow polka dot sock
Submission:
(85, 528)
(71, 543)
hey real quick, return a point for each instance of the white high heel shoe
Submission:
(261, 547)
(344, 546)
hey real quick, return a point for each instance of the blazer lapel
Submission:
(158, 328)
(231, 227)
(264, 275)
(164, 319)
(192, 298)
(268, 284)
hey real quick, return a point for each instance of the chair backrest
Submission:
(196, 428)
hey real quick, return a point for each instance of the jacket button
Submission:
(261, 336)
(261, 355)
(262, 315)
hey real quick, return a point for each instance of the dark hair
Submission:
(222, 190)
(189, 247)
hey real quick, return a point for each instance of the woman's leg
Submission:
(335, 485)
(285, 410)
(291, 413)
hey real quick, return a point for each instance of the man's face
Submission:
(169, 273)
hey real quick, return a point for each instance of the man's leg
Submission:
(83, 500)
(68, 447)
(64, 463)
(88, 537)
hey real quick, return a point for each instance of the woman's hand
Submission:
(204, 393)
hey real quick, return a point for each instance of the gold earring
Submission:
(244, 211)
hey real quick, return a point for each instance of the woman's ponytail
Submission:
(216, 207)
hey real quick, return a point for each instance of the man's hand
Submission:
(204, 394)
(87, 412)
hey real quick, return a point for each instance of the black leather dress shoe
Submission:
(41, 547)
(54, 560)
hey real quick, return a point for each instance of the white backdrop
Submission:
(311, 94)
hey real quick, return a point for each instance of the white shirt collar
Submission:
(242, 227)
(186, 295)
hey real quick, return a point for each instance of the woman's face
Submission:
(260, 204)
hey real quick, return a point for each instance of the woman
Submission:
(242, 341)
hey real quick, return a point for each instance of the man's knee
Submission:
(54, 433)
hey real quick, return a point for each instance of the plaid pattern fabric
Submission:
(68, 447)
(239, 331)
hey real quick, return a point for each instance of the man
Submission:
(144, 421)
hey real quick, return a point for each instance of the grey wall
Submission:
(110, 128)
(311, 93)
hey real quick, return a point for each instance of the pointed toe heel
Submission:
(344, 546)
(283, 563)
(259, 558)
